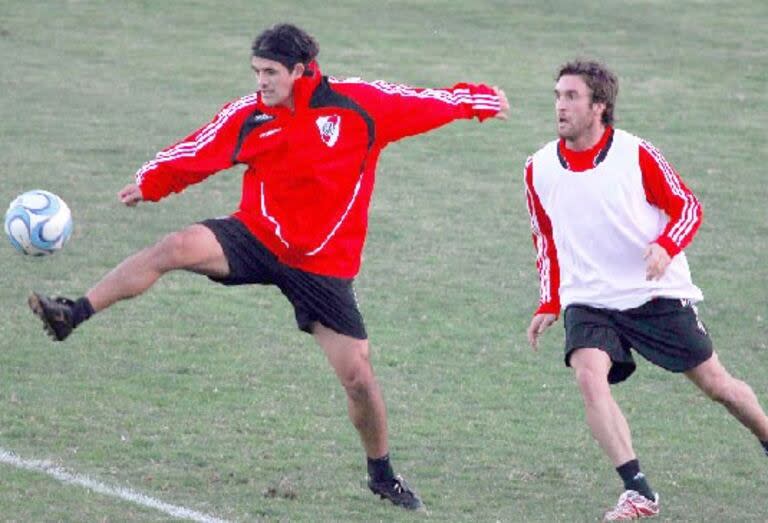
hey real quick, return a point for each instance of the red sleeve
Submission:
(546, 253)
(400, 110)
(202, 153)
(665, 189)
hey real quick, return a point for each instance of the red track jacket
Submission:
(310, 172)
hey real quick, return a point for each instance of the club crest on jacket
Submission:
(329, 128)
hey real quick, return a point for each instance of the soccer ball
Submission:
(38, 223)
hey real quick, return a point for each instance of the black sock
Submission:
(765, 446)
(81, 311)
(634, 479)
(380, 470)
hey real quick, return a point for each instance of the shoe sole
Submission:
(420, 508)
(37, 308)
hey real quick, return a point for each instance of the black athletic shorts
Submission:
(665, 331)
(325, 299)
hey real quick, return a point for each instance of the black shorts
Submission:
(315, 298)
(667, 332)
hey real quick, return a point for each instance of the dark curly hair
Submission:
(286, 44)
(600, 80)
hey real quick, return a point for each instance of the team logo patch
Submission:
(329, 129)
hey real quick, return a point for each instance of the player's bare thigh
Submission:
(194, 248)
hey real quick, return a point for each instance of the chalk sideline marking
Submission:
(71, 478)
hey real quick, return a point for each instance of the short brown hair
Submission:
(600, 80)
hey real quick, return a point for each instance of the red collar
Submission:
(302, 91)
(306, 85)
(588, 159)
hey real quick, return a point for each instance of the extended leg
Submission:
(194, 248)
(738, 397)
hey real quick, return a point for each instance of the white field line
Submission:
(70, 478)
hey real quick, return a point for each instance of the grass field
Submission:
(209, 398)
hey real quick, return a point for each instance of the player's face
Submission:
(275, 81)
(577, 116)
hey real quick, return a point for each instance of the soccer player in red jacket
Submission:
(309, 144)
(610, 219)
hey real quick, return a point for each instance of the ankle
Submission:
(634, 479)
(380, 469)
(81, 311)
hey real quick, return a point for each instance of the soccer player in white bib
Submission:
(610, 220)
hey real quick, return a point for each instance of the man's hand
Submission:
(130, 195)
(539, 323)
(503, 114)
(657, 260)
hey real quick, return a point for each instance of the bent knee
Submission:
(589, 376)
(359, 380)
(593, 383)
(175, 250)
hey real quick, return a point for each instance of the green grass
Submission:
(209, 398)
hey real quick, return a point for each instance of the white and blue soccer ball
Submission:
(38, 223)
